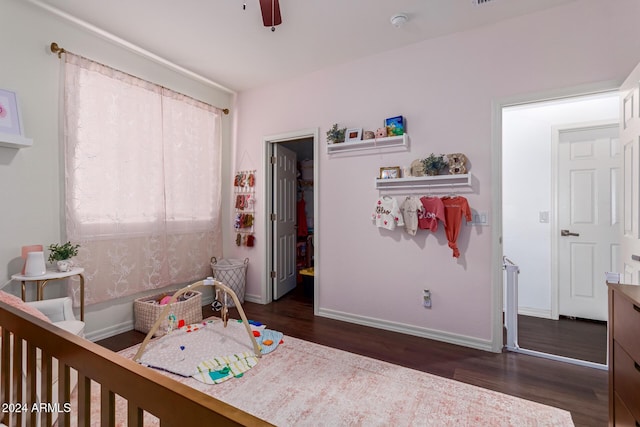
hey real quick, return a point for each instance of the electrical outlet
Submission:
(426, 298)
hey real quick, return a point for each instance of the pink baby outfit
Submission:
(432, 212)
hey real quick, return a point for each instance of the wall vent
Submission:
(480, 2)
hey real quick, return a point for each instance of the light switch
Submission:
(479, 218)
(543, 217)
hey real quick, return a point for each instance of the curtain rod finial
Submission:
(225, 111)
(57, 49)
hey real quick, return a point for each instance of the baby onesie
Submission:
(387, 214)
(432, 212)
(411, 208)
(454, 209)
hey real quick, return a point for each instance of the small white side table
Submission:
(41, 282)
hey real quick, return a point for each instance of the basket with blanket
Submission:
(186, 310)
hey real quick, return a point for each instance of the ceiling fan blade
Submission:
(270, 18)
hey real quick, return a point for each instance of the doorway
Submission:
(540, 140)
(291, 196)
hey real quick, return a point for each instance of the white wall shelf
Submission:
(399, 141)
(460, 180)
(14, 141)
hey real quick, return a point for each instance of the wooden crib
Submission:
(30, 345)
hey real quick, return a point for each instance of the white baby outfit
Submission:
(386, 213)
(410, 208)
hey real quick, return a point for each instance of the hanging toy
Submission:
(216, 304)
(225, 311)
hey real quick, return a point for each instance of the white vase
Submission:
(35, 265)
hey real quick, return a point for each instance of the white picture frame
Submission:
(354, 134)
(10, 120)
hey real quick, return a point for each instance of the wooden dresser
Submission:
(624, 355)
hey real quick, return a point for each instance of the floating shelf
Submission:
(14, 141)
(460, 180)
(370, 144)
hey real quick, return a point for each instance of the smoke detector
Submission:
(399, 20)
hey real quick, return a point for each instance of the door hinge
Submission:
(273, 217)
(273, 160)
(273, 274)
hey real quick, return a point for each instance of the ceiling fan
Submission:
(270, 13)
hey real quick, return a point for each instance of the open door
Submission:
(588, 217)
(284, 220)
(630, 139)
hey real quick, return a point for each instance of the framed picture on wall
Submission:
(389, 172)
(9, 115)
(353, 135)
(394, 125)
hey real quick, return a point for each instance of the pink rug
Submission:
(306, 384)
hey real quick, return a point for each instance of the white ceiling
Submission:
(220, 41)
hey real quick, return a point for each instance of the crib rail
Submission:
(24, 337)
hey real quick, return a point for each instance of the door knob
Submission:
(568, 233)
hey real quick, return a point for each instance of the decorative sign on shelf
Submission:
(244, 190)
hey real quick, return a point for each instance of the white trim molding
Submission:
(402, 328)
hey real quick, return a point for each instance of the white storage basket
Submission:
(233, 273)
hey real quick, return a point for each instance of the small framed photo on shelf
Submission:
(353, 135)
(389, 172)
(9, 115)
(394, 125)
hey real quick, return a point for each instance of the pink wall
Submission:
(445, 89)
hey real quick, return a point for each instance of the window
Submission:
(142, 180)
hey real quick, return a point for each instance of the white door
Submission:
(284, 220)
(589, 217)
(629, 137)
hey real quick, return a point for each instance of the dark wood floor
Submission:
(579, 390)
(574, 338)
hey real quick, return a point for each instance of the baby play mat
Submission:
(209, 346)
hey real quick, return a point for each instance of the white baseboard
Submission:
(432, 334)
(535, 312)
(253, 298)
(109, 331)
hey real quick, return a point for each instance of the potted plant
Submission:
(335, 135)
(434, 164)
(62, 254)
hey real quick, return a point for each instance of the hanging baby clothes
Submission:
(387, 213)
(454, 209)
(411, 209)
(432, 212)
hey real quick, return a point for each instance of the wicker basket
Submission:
(233, 273)
(147, 310)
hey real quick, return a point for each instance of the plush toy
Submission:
(457, 163)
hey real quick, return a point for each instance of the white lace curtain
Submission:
(142, 181)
